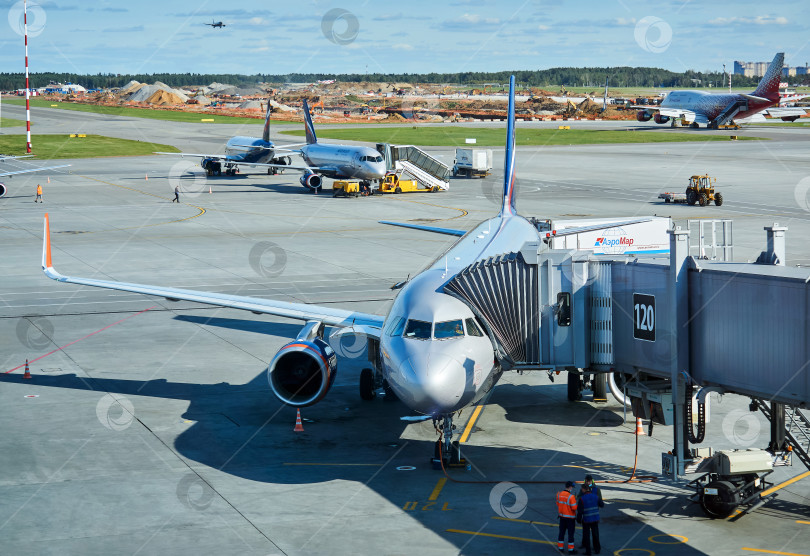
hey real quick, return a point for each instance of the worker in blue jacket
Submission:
(588, 515)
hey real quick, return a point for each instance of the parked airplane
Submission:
(335, 161)
(244, 151)
(715, 109)
(3, 158)
(431, 350)
(215, 24)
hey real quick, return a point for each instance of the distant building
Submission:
(758, 69)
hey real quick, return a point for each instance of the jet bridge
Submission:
(671, 330)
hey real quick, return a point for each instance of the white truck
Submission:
(472, 162)
(632, 239)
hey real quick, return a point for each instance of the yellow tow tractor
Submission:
(393, 183)
(345, 188)
(700, 190)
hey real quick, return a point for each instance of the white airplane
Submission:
(431, 350)
(321, 159)
(697, 108)
(3, 158)
(244, 151)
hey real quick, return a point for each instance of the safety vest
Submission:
(590, 507)
(39, 190)
(566, 504)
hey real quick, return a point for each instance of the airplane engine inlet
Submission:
(302, 372)
(643, 116)
(660, 119)
(311, 181)
(2, 190)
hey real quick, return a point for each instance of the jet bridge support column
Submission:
(776, 244)
(679, 300)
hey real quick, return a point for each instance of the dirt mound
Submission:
(161, 97)
(590, 107)
(394, 118)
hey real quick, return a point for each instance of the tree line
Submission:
(568, 77)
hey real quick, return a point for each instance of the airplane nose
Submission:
(438, 382)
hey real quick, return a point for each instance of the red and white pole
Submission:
(27, 89)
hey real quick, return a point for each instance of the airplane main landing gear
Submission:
(447, 452)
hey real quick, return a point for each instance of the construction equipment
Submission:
(393, 183)
(700, 190)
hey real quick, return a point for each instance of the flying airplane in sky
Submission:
(244, 151)
(3, 158)
(696, 108)
(431, 350)
(215, 24)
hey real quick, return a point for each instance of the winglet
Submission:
(47, 265)
(309, 129)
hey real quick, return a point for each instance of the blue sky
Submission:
(401, 37)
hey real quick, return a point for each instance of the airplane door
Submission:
(356, 160)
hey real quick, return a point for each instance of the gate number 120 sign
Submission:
(644, 317)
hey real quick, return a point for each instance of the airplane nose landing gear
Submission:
(447, 452)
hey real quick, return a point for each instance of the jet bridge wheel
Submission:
(367, 390)
(599, 387)
(574, 385)
(722, 499)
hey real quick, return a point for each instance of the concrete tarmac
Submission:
(148, 427)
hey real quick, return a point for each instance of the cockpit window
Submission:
(377, 158)
(472, 328)
(418, 329)
(448, 329)
(396, 327)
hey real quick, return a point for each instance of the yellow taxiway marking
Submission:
(773, 551)
(786, 483)
(679, 539)
(529, 521)
(437, 489)
(804, 522)
(468, 429)
(473, 533)
(336, 464)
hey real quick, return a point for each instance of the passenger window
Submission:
(448, 329)
(472, 328)
(418, 329)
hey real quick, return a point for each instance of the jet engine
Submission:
(310, 180)
(660, 119)
(643, 116)
(302, 372)
(2, 190)
(785, 119)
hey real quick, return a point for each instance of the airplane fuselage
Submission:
(247, 150)
(435, 353)
(712, 104)
(344, 162)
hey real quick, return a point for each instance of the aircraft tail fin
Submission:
(266, 130)
(509, 194)
(769, 84)
(308, 127)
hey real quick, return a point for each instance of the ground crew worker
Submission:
(588, 515)
(176, 194)
(567, 511)
(588, 482)
(39, 194)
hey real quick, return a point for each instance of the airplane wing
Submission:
(16, 172)
(785, 112)
(446, 231)
(368, 323)
(236, 162)
(3, 158)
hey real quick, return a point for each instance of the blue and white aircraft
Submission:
(430, 350)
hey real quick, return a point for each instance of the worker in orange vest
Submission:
(39, 194)
(567, 511)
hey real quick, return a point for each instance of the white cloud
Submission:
(402, 46)
(625, 21)
(758, 20)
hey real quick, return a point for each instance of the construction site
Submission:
(364, 101)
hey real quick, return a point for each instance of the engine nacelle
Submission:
(311, 180)
(302, 372)
(784, 119)
(660, 118)
(2, 189)
(643, 116)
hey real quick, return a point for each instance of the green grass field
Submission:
(168, 115)
(801, 123)
(10, 122)
(47, 147)
(456, 136)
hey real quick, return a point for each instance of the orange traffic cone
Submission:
(49, 179)
(27, 370)
(146, 178)
(209, 189)
(299, 426)
(640, 428)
